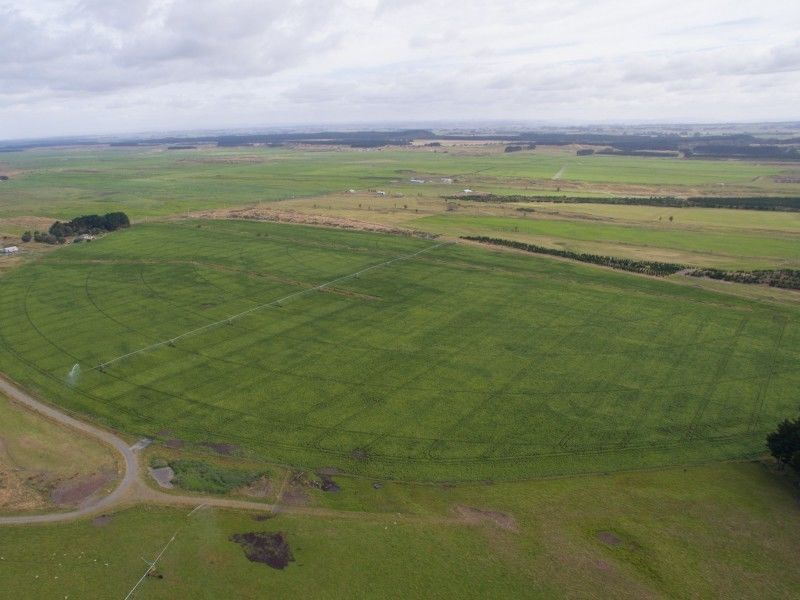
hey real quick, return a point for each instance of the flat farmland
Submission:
(443, 362)
(688, 243)
(152, 181)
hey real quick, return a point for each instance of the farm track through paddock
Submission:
(574, 369)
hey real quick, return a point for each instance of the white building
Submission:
(380, 193)
(10, 250)
(467, 191)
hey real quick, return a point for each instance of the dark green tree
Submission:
(784, 443)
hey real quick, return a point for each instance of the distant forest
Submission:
(737, 145)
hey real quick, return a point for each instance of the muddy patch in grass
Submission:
(173, 444)
(608, 537)
(221, 448)
(295, 495)
(271, 549)
(359, 454)
(102, 520)
(263, 517)
(326, 482)
(78, 489)
(495, 517)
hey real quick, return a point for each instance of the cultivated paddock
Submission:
(457, 363)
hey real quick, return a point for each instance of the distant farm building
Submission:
(447, 180)
(417, 180)
(380, 193)
(467, 191)
(84, 237)
(10, 250)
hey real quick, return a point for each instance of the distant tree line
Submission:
(517, 148)
(788, 203)
(647, 267)
(724, 145)
(782, 278)
(743, 151)
(646, 153)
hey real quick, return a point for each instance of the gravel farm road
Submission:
(132, 490)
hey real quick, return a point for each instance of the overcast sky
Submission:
(106, 66)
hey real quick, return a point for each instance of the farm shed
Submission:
(10, 250)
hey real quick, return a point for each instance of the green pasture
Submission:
(461, 363)
(62, 183)
(727, 531)
(729, 220)
(697, 246)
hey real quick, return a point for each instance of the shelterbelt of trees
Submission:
(788, 203)
(783, 278)
(89, 224)
(647, 267)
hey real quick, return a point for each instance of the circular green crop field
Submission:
(456, 363)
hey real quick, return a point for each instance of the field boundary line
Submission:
(271, 303)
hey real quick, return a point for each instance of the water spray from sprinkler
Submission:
(74, 373)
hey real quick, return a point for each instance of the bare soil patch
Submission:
(15, 495)
(271, 549)
(221, 448)
(608, 537)
(173, 444)
(260, 488)
(497, 518)
(294, 493)
(102, 520)
(263, 517)
(163, 476)
(78, 489)
(32, 223)
(359, 454)
(327, 484)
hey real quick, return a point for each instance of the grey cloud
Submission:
(170, 61)
(111, 47)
